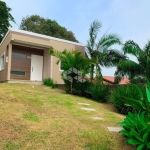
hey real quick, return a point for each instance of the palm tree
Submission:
(101, 51)
(133, 69)
(71, 59)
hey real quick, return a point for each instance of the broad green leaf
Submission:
(129, 121)
(140, 147)
(143, 131)
(136, 103)
(133, 142)
(139, 91)
(136, 135)
(131, 115)
(148, 94)
(141, 119)
(148, 84)
(148, 145)
(145, 137)
(125, 133)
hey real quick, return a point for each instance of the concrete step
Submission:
(26, 82)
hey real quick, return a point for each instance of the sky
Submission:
(127, 18)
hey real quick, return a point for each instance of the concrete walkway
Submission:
(85, 104)
(88, 109)
(111, 129)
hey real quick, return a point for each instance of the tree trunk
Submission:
(92, 72)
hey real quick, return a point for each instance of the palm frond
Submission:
(71, 59)
(87, 53)
(111, 58)
(147, 57)
(129, 65)
(130, 47)
(93, 31)
(147, 47)
(107, 41)
(94, 28)
(128, 68)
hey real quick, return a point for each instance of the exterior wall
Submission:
(23, 64)
(6, 63)
(3, 49)
(46, 64)
(30, 40)
(80, 48)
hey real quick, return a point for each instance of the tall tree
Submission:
(5, 18)
(101, 51)
(139, 69)
(40, 25)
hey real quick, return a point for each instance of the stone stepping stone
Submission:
(88, 109)
(97, 118)
(114, 129)
(83, 104)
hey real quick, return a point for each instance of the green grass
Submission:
(11, 146)
(31, 117)
(45, 118)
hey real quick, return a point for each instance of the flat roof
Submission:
(40, 35)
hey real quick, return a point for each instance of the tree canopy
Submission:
(138, 71)
(48, 27)
(5, 18)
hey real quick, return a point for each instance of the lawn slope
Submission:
(40, 118)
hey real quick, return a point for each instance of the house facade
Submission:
(25, 56)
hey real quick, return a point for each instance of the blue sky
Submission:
(129, 18)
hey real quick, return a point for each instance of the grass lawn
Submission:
(42, 118)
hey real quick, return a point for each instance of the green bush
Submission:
(82, 89)
(78, 88)
(50, 82)
(67, 86)
(87, 89)
(119, 97)
(99, 92)
(137, 130)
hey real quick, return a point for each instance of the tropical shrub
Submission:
(67, 86)
(121, 95)
(82, 89)
(137, 125)
(99, 92)
(50, 82)
(141, 103)
(78, 88)
(72, 59)
(137, 130)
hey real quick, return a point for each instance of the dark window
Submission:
(61, 65)
(20, 73)
(19, 55)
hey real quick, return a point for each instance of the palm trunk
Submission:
(101, 79)
(92, 72)
(99, 75)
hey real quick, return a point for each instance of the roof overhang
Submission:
(27, 43)
(17, 31)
